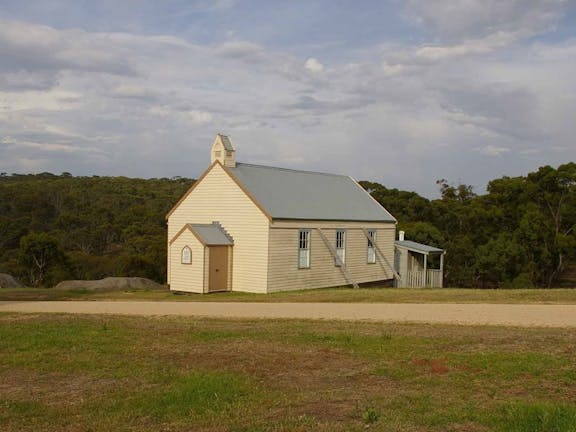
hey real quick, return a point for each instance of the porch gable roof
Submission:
(211, 234)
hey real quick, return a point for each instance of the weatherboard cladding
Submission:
(418, 247)
(291, 194)
(211, 234)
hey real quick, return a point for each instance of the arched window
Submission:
(186, 255)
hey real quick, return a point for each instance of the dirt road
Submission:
(483, 314)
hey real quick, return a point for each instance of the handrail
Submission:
(417, 278)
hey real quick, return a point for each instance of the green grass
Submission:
(178, 398)
(334, 295)
(101, 373)
(539, 417)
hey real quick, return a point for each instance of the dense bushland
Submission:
(60, 227)
(521, 233)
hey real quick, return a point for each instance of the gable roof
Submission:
(418, 247)
(211, 234)
(208, 234)
(226, 142)
(291, 194)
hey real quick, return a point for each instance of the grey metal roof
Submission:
(418, 247)
(291, 194)
(226, 141)
(212, 234)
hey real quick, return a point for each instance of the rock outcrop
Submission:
(8, 281)
(110, 284)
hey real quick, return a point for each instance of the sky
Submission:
(400, 92)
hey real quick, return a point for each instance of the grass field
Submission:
(79, 373)
(339, 295)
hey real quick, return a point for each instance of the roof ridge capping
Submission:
(284, 193)
(292, 169)
(371, 197)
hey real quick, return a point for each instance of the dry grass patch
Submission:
(373, 294)
(52, 389)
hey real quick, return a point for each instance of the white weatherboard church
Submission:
(261, 229)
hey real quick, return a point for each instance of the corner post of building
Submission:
(425, 270)
(442, 262)
(442, 269)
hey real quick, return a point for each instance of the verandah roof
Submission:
(418, 247)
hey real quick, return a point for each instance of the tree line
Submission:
(521, 233)
(58, 227)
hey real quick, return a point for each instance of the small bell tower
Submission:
(223, 151)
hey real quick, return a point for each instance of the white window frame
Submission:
(370, 247)
(340, 246)
(304, 240)
(186, 255)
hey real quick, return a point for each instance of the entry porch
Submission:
(418, 265)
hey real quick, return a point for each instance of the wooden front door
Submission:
(218, 270)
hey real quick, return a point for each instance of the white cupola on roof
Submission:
(223, 151)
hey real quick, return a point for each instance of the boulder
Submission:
(110, 284)
(8, 281)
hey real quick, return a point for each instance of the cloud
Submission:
(25, 80)
(185, 116)
(402, 113)
(34, 100)
(503, 109)
(392, 69)
(133, 92)
(316, 106)
(242, 50)
(199, 117)
(491, 150)
(402, 59)
(31, 47)
(472, 19)
(39, 146)
(468, 47)
(314, 65)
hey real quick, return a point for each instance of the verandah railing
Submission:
(417, 279)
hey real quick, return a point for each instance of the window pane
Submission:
(303, 249)
(371, 256)
(186, 257)
(339, 239)
(303, 259)
(340, 247)
(304, 239)
(371, 252)
(342, 255)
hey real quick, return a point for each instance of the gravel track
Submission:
(444, 313)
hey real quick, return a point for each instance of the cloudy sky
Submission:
(402, 92)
